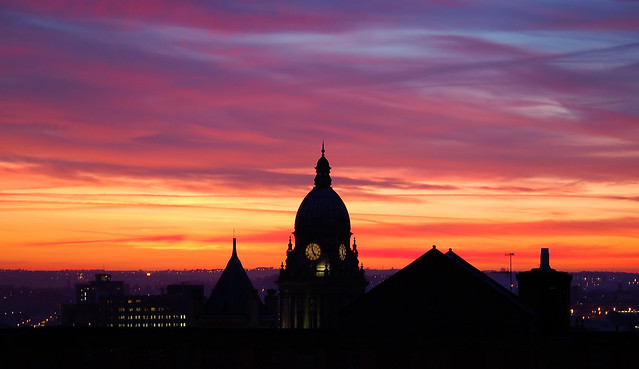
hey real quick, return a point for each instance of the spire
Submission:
(323, 170)
(233, 291)
(234, 254)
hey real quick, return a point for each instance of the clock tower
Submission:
(322, 273)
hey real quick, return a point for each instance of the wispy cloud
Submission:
(415, 100)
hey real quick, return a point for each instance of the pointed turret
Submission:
(234, 293)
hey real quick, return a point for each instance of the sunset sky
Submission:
(141, 134)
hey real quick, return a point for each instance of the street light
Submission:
(510, 257)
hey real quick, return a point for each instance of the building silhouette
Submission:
(322, 274)
(103, 303)
(437, 312)
(179, 307)
(234, 302)
(547, 292)
(322, 284)
(440, 295)
(103, 286)
(88, 296)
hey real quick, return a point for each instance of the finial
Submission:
(322, 170)
(434, 247)
(290, 245)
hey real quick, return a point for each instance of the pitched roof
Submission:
(440, 294)
(231, 294)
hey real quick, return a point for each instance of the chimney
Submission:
(544, 259)
(547, 291)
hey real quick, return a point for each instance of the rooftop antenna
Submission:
(510, 269)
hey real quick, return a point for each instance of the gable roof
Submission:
(440, 294)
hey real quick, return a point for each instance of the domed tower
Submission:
(322, 274)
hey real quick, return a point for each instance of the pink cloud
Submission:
(237, 98)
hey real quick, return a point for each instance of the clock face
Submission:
(313, 251)
(342, 252)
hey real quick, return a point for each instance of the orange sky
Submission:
(141, 135)
(131, 224)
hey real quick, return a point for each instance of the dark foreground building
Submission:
(234, 302)
(547, 291)
(441, 295)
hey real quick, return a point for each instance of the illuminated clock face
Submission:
(313, 251)
(342, 252)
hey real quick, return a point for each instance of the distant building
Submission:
(179, 307)
(624, 320)
(547, 292)
(85, 312)
(322, 274)
(101, 303)
(103, 286)
(234, 302)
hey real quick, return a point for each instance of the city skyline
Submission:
(145, 136)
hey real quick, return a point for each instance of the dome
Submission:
(322, 210)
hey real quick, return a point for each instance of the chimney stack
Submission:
(547, 291)
(544, 260)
